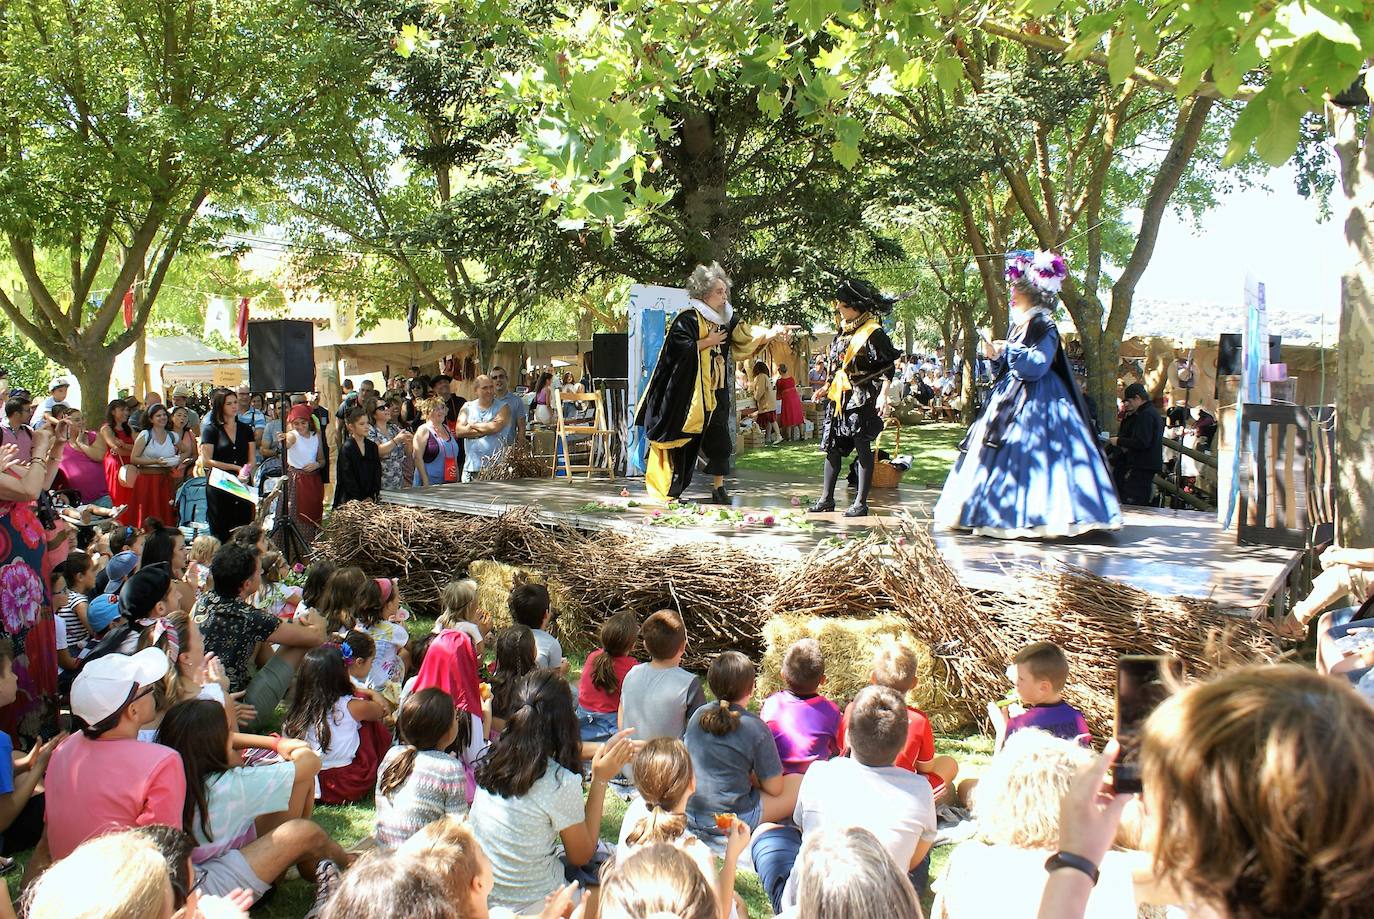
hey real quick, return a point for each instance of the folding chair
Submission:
(595, 436)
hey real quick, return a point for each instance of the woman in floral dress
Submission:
(392, 440)
(26, 616)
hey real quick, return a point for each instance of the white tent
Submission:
(179, 359)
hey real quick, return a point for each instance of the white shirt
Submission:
(894, 805)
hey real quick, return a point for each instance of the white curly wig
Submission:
(704, 277)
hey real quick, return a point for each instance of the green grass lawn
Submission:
(933, 448)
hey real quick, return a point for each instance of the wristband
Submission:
(1076, 862)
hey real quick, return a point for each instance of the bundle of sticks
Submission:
(725, 595)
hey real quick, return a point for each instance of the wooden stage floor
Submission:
(1161, 551)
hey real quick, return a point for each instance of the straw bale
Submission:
(849, 644)
(495, 581)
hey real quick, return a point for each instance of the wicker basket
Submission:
(886, 475)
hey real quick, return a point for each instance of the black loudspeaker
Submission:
(611, 355)
(281, 356)
(1229, 353)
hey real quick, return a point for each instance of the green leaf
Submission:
(948, 73)
(845, 154)
(1034, 9)
(770, 104)
(1120, 57)
(811, 15)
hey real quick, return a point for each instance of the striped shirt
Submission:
(77, 633)
(437, 785)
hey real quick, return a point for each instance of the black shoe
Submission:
(821, 506)
(857, 509)
(718, 495)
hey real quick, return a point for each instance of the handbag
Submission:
(128, 475)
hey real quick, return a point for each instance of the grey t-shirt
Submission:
(550, 652)
(723, 763)
(658, 700)
(521, 835)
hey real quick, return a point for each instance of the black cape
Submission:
(668, 397)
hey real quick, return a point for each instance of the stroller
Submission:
(192, 507)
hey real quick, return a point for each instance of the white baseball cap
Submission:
(58, 383)
(106, 684)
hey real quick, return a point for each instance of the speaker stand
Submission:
(285, 534)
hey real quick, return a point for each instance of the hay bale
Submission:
(495, 581)
(848, 644)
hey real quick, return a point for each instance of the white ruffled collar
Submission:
(711, 314)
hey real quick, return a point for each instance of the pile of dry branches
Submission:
(513, 462)
(725, 596)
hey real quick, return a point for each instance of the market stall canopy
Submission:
(180, 359)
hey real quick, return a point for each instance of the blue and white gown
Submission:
(1031, 465)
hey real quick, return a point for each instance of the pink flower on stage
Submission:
(658, 513)
(750, 518)
(298, 568)
(770, 520)
(21, 515)
(796, 502)
(21, 594)
(901, 540)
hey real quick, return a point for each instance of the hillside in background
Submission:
(1188, 321)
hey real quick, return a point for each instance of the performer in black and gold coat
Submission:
(686, 410)
(861, 365)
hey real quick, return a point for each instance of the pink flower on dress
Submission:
(21, 595)
(27, 525)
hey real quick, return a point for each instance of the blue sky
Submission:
(1273, 233)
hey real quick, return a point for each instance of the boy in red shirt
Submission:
(894, 666)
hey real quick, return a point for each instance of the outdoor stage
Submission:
(1161, 551)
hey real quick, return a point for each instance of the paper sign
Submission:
(225, 376)
(230, 483)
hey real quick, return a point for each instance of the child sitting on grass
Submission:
(1039, 672)
(275, 597)
(339, 602)
(316, 580)
(736, 761)
(657, 698)
(598, 691)
(460, 611)
(805, 724)
(665, 782)
(516, 654)
(80, 575)
(529, 606)
(340, 722)
(203, 550)
(895, 666)
(378, 609)
(418, 782)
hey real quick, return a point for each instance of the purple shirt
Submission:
(805, 728)
(1060, 719)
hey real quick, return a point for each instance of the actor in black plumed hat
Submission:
(860, 368)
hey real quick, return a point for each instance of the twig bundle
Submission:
(513, 462)
(726, 596)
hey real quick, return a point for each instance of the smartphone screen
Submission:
(1141, 684)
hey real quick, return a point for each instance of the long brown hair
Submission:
(731, 677)
(619, 634)
(663, 776)
(339, 600)
(198, 730)
(426, 718)
(1258, 784)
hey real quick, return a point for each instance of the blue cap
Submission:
(121, 566)
(103, 610)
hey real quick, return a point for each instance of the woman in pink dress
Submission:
(790, 414)
(83, 462)
(119, 445)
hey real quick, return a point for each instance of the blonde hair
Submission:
(663, 776)
(449, 847)
(1257, 785)
(847, 874)
(458, 602)
(894, 666)
(1018, 796)
(203, 549)
(118, 876)
(657, 880)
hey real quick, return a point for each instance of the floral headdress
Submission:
(1046, 270)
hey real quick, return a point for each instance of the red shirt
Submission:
(590, 696)
(919, 747)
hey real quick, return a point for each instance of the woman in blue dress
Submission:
(1030, 466)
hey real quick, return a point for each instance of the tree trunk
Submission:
(93, 373)
(141, 366)
(702, 172)
(1355, 355)
(968, 349)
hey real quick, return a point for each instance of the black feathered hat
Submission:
(861, 295)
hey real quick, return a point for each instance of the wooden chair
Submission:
(599, 455)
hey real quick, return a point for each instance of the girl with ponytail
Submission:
(529, 795)
(665, 781)
(598, 692)
(729, 744)
(418, 782)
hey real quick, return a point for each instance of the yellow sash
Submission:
(658, 477)
(839, 383)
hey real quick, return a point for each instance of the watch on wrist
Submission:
(1076, 862)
